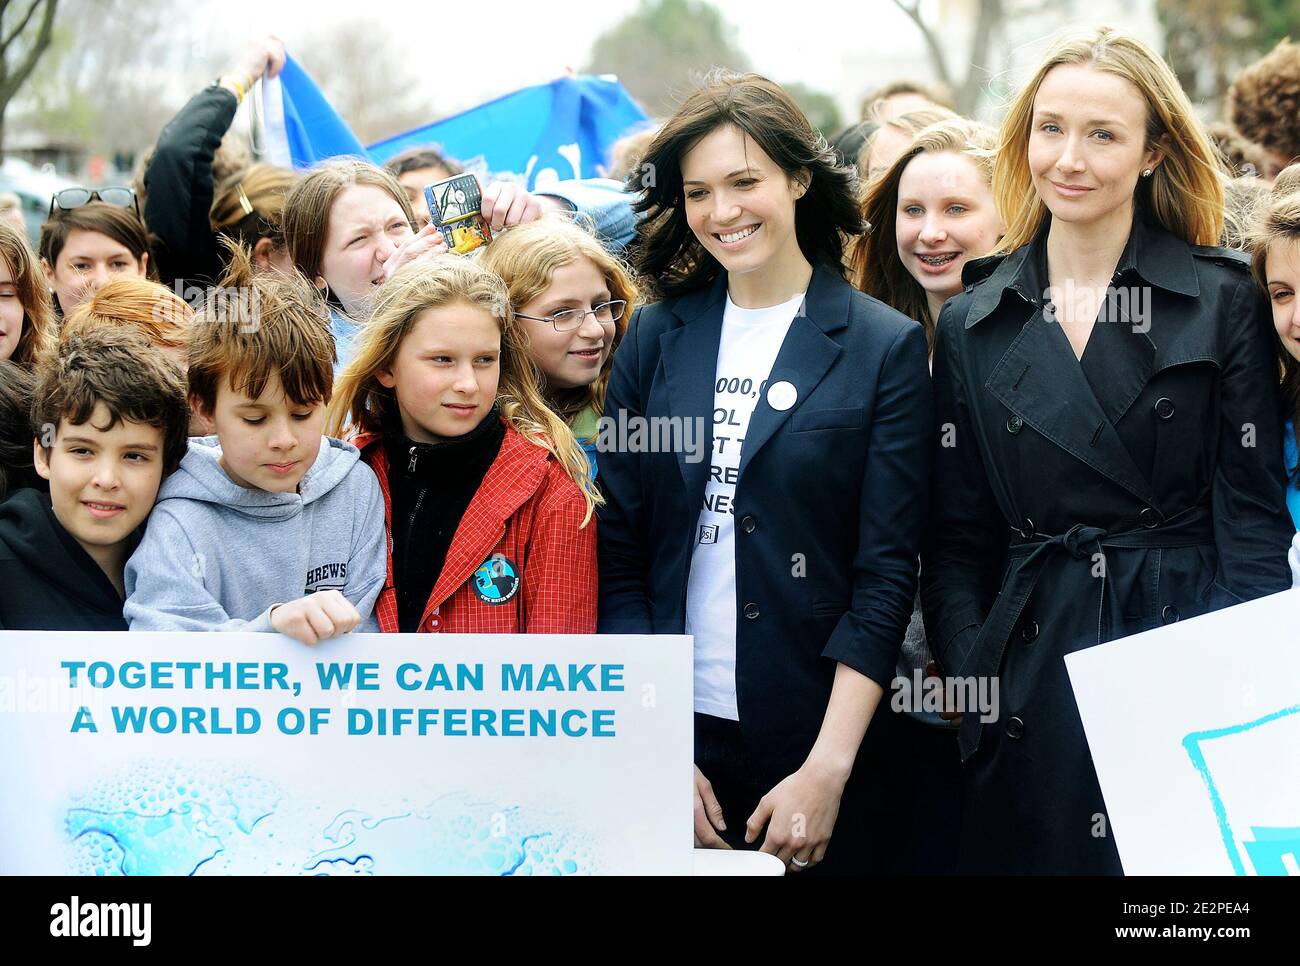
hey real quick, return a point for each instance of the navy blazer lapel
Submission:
(805, 357)
(689, 356)
(1040, 381)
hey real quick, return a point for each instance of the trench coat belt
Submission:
(1087, 545)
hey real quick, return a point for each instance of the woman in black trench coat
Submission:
(1108, 456)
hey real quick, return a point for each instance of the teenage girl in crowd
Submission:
(350, 226)
(574, 300)
(929, 213)
(1092, 383)
(26, 315)
(487, 497)
(87, 242)
(1275, 246)
(183, 206)
(800, 385)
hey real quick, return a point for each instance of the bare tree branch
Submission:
(913, 10)
(22, 24)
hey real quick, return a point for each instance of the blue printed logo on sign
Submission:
(496, 580)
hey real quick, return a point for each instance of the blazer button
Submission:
(1164, 407)
(1030, 632)
(1150, 518)
(748, 523)
(1015, 728)
(751, 611)
(1169, 614)
(1015, 424)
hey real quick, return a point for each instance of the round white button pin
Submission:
(782, 395)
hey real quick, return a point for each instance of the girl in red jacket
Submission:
(486, 492)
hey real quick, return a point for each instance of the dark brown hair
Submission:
(666, 252)
(254, 326)
(120, 224)
(426, 156)
(17, 384)
(119, 368)
(1264, 101)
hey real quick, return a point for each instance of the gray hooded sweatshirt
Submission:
(217, 556)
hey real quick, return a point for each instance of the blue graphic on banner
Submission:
(179, 819)
(1272, 850)
(301, 124)
(551, 132)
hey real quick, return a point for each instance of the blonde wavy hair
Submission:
(362, 403)
(1185, 192)
(874, 263)
(526, 258)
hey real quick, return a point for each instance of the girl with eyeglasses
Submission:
(574, 299)
(487, 497)
(90, 238)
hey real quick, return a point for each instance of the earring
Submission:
(1146, 173)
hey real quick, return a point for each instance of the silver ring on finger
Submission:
(795, 860)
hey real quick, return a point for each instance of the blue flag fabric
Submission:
(550, 132)
(301, 126)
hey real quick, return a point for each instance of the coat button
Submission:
(1164, 407)
(1150, 518)
(748, 523)
(1026, 528)
(1169, 614)
(751, 611)
(1015, 728)
(1030, 632)
(1015, 424)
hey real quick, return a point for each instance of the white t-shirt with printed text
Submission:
(751, 340)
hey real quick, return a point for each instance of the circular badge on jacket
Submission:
(782, 395)
(496, 580)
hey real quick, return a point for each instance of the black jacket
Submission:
(1078, 501)
(49, 583)
(830, 501)
(432, 485)
(179, 188)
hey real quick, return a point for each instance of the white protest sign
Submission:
(218, 754)
(1194, 729)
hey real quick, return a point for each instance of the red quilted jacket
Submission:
(519, 561)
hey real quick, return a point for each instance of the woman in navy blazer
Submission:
(747, 214)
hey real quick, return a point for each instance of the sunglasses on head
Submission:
(118, 195)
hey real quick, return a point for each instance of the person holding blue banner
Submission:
(181, 185)
(795, 384)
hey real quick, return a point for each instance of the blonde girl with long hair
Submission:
(1092, 383)
(574, 299)
(487, 496)
(930, 213)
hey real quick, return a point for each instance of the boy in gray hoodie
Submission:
(268, 525)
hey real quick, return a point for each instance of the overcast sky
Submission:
(528, 42)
